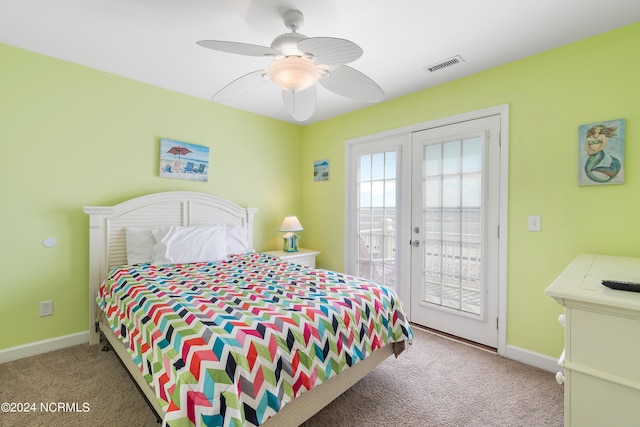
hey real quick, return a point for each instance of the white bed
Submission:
(108, 249)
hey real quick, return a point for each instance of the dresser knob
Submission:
(561, 360)
(561, 319)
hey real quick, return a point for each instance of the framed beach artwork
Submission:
(183, 160)
(601, 153)
(321, 170)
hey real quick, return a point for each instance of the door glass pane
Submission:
(390, 194)
(377, 166)
(451, 190)
(471, 190)
(377, 194)
(377, 217)
(365, 168)
(432, 160)
(365, 193)
(451, 157)
(433, 191)
(472, 155)
(452, 213)
(390, 165)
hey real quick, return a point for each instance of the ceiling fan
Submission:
(299, 62)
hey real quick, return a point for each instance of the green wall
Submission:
(550, 95)
(72, 136)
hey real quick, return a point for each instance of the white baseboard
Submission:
(44, 346)
(532, 358)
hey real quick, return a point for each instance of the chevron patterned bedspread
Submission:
(230, 343)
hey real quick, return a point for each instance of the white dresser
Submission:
(602, 341)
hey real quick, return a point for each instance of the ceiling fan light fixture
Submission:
(293, 73)
(299, 62)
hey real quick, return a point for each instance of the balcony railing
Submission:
(377, 256)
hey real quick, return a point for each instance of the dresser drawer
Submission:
(597, 402)
(306, 260)
(305, 257)
(604, 342)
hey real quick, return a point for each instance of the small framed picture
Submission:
(183, 160)
(321, 170)
(601, 153)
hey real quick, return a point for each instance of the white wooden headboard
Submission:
(107, 246)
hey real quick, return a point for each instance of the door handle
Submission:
(415, 243)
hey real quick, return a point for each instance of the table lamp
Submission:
(290, 225)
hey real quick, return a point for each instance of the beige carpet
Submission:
(437, 382)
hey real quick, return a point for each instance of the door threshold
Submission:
(455, 338)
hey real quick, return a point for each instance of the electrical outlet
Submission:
(46, 308)
(533, 223)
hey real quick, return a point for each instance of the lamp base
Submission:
(290, 244)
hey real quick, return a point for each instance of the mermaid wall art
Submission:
(601, 153)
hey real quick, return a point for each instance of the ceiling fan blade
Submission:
(330, 50)
(351, 83)
(239, 48)
(300, 105)
(240, 86)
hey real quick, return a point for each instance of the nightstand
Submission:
(306, 257)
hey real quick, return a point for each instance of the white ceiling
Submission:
(154, 41)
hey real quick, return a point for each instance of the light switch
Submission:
(534, 223)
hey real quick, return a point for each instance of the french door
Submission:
(376, 222)
(455, 218)
(423, 208)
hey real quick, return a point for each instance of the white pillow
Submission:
(178, 245)
(139, 243)
(237, 240)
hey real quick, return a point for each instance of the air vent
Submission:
(444, 64)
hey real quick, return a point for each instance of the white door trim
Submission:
(503, 112)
